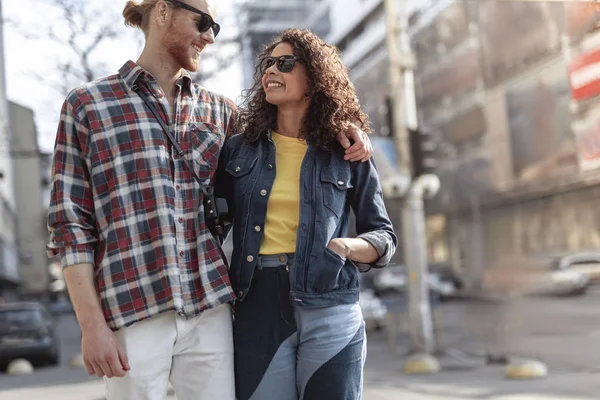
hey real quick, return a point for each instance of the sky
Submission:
(30, 62)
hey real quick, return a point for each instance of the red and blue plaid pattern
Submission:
(124, 202)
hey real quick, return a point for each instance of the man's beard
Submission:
(180, 51)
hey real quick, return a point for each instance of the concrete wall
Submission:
(545, 219)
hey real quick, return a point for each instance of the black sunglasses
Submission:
(284, 63)
(205, 23)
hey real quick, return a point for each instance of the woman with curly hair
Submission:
(298, 330)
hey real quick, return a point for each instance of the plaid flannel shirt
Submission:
(124, 202)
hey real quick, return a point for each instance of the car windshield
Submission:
(20, 318)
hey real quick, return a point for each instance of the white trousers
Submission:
(195, 355)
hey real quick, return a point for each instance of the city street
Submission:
(70, 336)
(484, 124)
(564, 340)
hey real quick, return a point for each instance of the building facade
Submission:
(9, 254)
(263, 20)
(511, 90)
(29, 184)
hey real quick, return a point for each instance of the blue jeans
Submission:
(288, 353)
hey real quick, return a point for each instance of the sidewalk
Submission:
(486, 383)
(384, 380)
(563, 333)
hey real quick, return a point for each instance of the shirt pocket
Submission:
(207, 140)
(335, 184)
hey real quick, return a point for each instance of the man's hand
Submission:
(361, 150)
(102, 353)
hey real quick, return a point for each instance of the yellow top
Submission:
(283, 209)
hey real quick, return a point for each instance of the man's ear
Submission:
(162, 13)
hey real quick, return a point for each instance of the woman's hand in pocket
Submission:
(355, 249)
(339, 247)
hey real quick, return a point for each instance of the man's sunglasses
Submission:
(284, 63)
(204, 23)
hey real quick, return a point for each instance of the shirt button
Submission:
(180, 220)
(341, 183)
(240, 293)
(177, 187)
(181, 254)
(257, 228)
(249, 258)
(237, 169)
(263, 192)
(270, 166)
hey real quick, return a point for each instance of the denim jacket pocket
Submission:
(325, 277)
(335, 184)
(240, 168)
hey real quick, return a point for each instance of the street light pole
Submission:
(404, 114)
(398, 62)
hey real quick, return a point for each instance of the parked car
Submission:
(562, 274)
(60, 307)
(560, 283)
(27, 331)
(585, 262)
(393, 280)
(373, 310)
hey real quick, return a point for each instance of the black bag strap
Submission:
(207, 190)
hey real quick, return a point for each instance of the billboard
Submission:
(584, 75)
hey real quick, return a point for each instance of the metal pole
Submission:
(400, 133)
(413, 214)
(415, 243)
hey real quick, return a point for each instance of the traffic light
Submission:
(423, 146)
(423, 150)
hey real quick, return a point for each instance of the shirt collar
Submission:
(130, 72)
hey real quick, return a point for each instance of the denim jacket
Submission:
(329, 186)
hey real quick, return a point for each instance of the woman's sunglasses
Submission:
(204, 23)
(283, 63)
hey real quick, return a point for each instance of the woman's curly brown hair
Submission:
(333, 99)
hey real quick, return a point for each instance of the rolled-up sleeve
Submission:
(71, 222)
(372, 221)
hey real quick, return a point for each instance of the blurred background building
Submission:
(32, 233)
(9, 254)
(517, 142)
(494, 81)
(261, 21)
